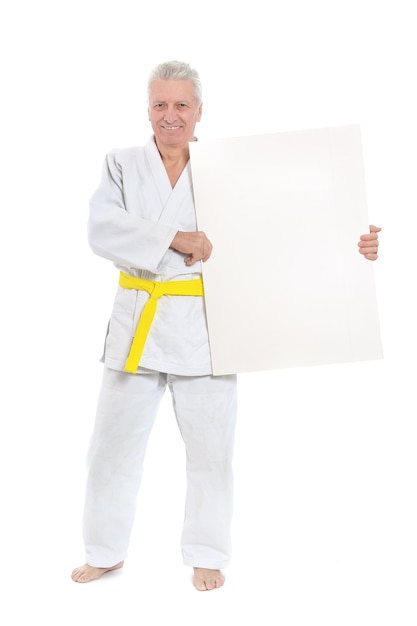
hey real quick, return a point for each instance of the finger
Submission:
(365, 248)
(374, 229)
(370, 237)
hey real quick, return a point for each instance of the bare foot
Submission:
(87, 573)
(207, 579)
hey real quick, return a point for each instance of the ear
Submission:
(200, 112)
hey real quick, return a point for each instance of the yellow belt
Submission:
(155, 290)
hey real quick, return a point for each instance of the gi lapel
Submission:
(171, 200)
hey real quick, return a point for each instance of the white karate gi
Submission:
(134, 215)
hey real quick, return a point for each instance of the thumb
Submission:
(374, 229)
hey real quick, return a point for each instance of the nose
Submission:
(170, 114)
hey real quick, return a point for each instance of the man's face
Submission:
(173, 112)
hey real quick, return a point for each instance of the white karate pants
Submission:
(205, 409)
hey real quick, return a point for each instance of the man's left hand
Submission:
(368, 244)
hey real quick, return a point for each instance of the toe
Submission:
(82, 574)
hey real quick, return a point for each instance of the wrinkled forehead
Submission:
(171, 90)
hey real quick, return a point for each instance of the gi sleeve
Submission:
(121, 236)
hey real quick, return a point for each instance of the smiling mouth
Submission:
(172, 127)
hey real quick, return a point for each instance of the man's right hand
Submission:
(195, 245)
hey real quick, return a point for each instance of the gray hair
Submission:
(177, 70)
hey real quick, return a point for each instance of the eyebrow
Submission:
(161, 101)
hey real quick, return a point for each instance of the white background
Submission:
(325, 515)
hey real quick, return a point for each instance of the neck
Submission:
(173, 155)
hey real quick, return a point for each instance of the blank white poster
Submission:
(285, 285)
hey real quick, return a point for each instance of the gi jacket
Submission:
(134, 216)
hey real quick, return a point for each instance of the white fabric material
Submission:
(134, 215)
(205, 409)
